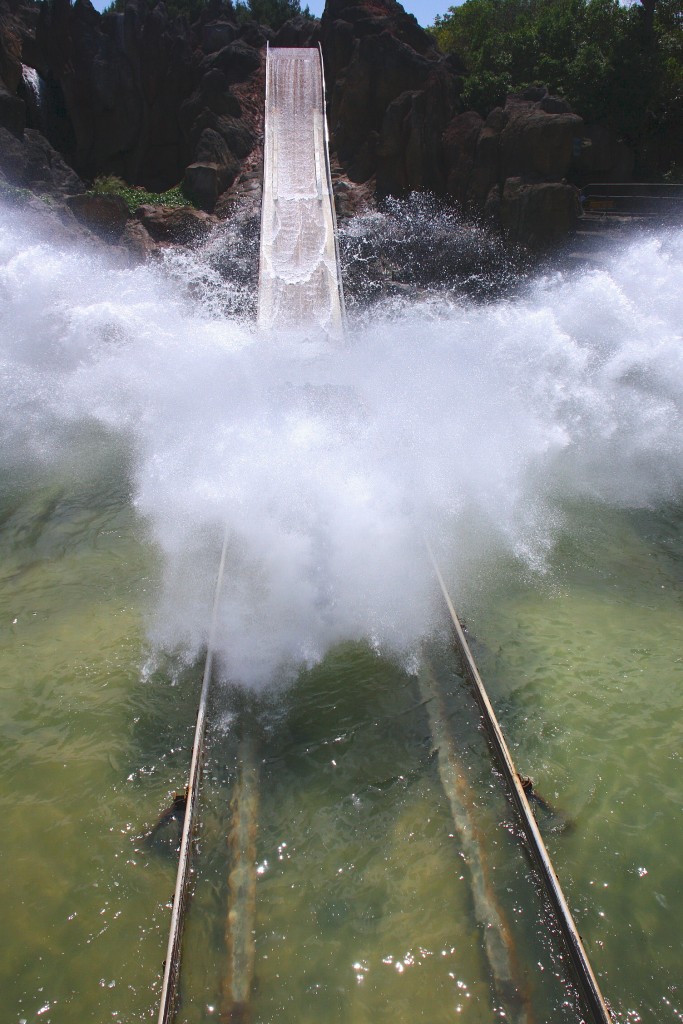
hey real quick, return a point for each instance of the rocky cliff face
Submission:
(12, 108)
(140, 95)
(395, 116)
(515, 166)
(391, 93)
(156, 101)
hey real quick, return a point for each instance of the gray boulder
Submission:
(105, 215)
(537, 215)
(31, 162)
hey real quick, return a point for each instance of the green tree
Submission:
(191, 9)
(270, 12)
(266, 12)
(620, 66)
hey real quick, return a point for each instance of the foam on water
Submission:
(468, 423)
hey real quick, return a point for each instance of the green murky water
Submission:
(364, 907)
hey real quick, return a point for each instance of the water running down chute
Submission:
(299, 280)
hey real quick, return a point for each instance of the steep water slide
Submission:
(299, 282)
(300, 291)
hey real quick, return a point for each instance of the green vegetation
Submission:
(270, 12)
(113, 186)
(12, 194)
(619, 66)
(266, 12)
(21, 196)
(191, 9)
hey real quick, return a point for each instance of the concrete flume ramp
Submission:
(299, 284)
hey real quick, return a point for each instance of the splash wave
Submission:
(471, 423)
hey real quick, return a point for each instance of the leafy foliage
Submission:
(191, 9)
(12, 194)
(266, 12)
(17, 196)
(113, 186)
(270, 12)
(620, 66)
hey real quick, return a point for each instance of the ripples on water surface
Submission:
(537, 439)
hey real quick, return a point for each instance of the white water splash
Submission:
(469, 423)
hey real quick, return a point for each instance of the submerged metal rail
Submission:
(584, 973)
(510, 993)
(240, 921)
(169, 988)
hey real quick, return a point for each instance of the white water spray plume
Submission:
(469, 423)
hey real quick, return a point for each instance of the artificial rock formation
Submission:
(135, 94)
(28, 161)
(12, 107)
(179, 224)
(515, 166)
(157, 102)
(395, 117)
(391, 93)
